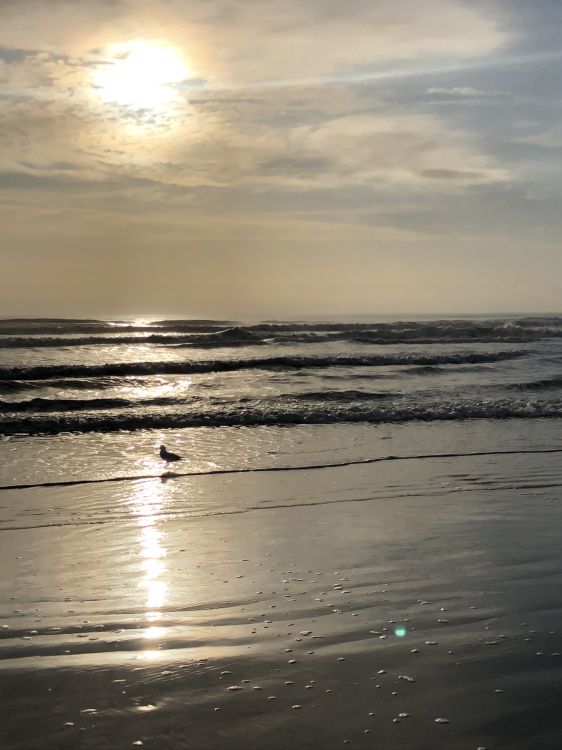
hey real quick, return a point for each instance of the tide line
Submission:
(266, 469)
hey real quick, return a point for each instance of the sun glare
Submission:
(141, 75)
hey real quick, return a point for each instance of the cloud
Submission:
(294, 139)
(548, 138)
(242, 42)
(232, 161)
(462, 91)
(395, 149)
(13, 55)
(269, 40)
(293, 143)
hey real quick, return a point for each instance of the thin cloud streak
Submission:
(381, 75)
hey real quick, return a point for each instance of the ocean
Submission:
(100, 389)
(360, 544)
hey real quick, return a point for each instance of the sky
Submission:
(280, 158)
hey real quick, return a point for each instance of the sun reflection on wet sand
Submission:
(147, 503)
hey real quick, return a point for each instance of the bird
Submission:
(167, 456)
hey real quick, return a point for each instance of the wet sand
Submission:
(405, 606)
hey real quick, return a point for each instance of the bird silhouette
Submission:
(167, 456)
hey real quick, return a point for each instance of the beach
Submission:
(360, 545)
(403, 603)
(280, 375)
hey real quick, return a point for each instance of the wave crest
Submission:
(280, 413)
(47, 372)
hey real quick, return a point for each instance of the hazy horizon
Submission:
(250, 159)
(319, 317)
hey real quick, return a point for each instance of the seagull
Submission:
(167, 456)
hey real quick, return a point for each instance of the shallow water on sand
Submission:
(313, 609)
(30, 459)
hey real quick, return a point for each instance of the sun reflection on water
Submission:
(159, 387)
(147, 503)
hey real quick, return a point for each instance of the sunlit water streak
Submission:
(147, 503)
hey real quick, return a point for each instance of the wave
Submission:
(123, 369)
(448, 335)
(72, 404)
(35, 342)
(287, 414)
(85, 384)
(545, 384)
(336, 396)
(426, 370)
(217, 338)
(13, 386)
(64, 326)
(17, 333)
(457, 331)
(236, 336)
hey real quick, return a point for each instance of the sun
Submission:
(141, 74)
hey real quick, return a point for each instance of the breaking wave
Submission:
(75, 404)
(217, 338)
(274, 413)
(47, 372)
(546, 384)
